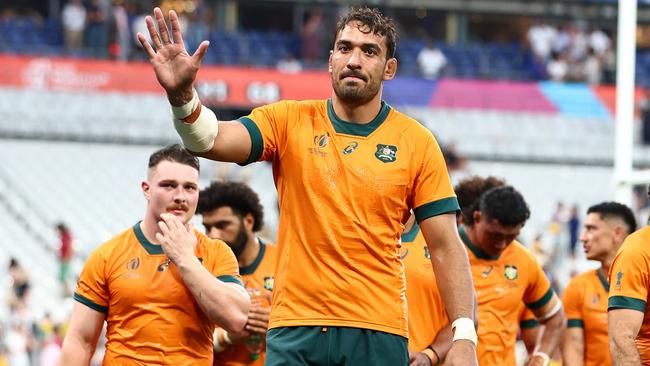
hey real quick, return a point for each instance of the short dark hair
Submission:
(176, 154)
(610, 209)
(504, 204)
(375, 22)
(238, 196)
(468, 192)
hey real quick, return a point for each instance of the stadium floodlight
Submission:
(624, 174)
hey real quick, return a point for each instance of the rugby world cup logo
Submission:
(322, 140)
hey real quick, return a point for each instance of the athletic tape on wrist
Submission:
(197, 128)
(463, 328)
(184, 111)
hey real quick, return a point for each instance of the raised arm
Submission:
(454, 279)
(81, 339)
(176, 72)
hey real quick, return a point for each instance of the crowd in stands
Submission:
(90, 28)
(570, 52)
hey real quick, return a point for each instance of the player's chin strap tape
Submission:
(196, 125)
(463, 328)
(552, 312)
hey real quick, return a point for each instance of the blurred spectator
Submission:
(562, 40)
(200, 20)
(574, 229)
(96, 37)
(289, 64)
(558, 68)
(541, 36)
(644, 110)
(592, 68)
(19, 284)
(313, 35)
(431, 61)
(65, 254)
(138, 24)
(74, 23)
(579, 44)
(120, 48)
(51, 349)
(18, 341)
(599, 41)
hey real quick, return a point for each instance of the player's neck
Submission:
(605, 265)
(149, 228)
(250, 252)
(354, 113)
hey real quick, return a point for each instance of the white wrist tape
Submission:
(463, 328)
(197, 135)
(547, 359)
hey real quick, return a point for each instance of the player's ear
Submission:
(391, 68)
(249, 221)
(329, 61)
(146, 189)
(477, 216)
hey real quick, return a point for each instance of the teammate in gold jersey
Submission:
(232, 212)
(161, 286)
(348, 171)
(505, 275)
(585, 298)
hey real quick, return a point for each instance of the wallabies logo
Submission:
(386, 153)
(510, 272)
(268, 283)
(427, 254)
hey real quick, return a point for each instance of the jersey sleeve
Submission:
(433, 193)
(539, 291)
(629, 278)
(572, 302)
(92, 287)
(267, 127)
(527, 319)
(225, 266)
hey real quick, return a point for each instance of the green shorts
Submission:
(334, 346)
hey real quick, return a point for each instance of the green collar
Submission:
(251, 268)
(152, 249)
(410, 235)
(478, 252)
(603, 279)
(355, 129)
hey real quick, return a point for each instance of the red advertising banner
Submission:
(227, 86)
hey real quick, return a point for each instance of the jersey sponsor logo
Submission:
(164, 265)
(269, 282)
(386, 153)
(427, 254)
(350, 148)
(486, 272)
(619, 277)
(510, 272)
